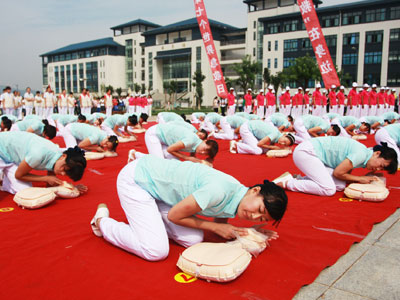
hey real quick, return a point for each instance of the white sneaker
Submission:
(232, 146)
(131, 155)
(211, 134)
(102, 212)
(284, 178)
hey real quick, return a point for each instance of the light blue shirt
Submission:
(349, 120)
(310, 121)
(82, 131)
(332, 150)
(261, 130)
(55, 116)
(39, 153)
(67, 119)
(235, 121)
(171, 181)
(394, 132)
(89, 117)
(37, 126)
(10, 117)
(184, 124)
(170, 134)
(213, 117)
(116, 120)
(279, 120)
(98, 115)
(331, 116)
(199, 114)
(390, 115)
(372, 119)
(171, 116)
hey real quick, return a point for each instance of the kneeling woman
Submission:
(22, 152)
(259, 137)
(41, 128)
(327, 163)
(88, 137)
(169, 140)
(308, 126)
(162, 198)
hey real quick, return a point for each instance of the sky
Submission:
(31, 28)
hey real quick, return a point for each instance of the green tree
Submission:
(247, 71)
(143, 89)
(302, 71)
(344, 78)
(198, 79)
(277, 80)
(109, 87)
(136, 87)
(166, 89)
(229, 82)
(266, 77)
(118, 91)
(173, 89)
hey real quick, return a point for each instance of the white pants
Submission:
(70, 110)
(48, 112)
(149, 108)
(341, 110)
(9, 111)
(391, 108)
(364, 111)
(231, 110)
(228, 133)
(69, 140)
(18, 113)
(28, 110)
(334, 109)
(247, 109)
(107, 129)
(295, 112)
(131, 109)
(38, 111)
(260, 112)
(160, 119)
(249, 142)
(207, 126)
(372, 110)
(382, 135)
(301, 131)
(270, 110)
(155, 146)
(194, 119)
(317, 111)
(148, 230)
(63, 110)
(139, 109)
(306, 109)
(10, 183)
(108, 111)
(319, 179)
(380, 110)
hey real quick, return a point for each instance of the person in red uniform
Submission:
(271, 101)
(285, 102)
(386, 99)
(297, 103)
(231, 102)
(317, 101)
(260, 104)
(373, 101)
(333, 107)
(306, 102)
(352, 101)
(324, 102)
(381, 102)
(365, 102)
(392, 99)
(341, 101)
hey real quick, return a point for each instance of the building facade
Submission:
(363, 39)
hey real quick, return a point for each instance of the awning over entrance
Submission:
(174, 53)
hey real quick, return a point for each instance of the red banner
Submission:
(324, 60)
(208, 40)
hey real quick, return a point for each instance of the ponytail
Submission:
(49, 130)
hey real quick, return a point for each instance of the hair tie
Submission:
(78, 150)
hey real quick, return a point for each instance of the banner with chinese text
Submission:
(324, 60)
(210, 48)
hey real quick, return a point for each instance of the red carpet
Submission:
(51, 253)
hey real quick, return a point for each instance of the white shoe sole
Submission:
(101, 212)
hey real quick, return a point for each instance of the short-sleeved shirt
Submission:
(39, 153)
(170, 134)
(36, 125)
(213, 118)
(116, 120)
(349, 120)
(11, 117)
(394, 132)
(372, 119)
(331, 116)
(261, 130)
(184, 124)
(67, 119)
(171, 116)
(90, 118)
(235, 121)
(332, 150)
(82, 131)
(390, 115)
(199, 114)
(98, 115)
(243, 115)
(310, 121)
(279, 120)
(171, 181)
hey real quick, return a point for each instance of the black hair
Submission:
(387, 121)
(213, 149)
(290, 118)
(144, 117)
(100, 120)
(81, 118)
(114, 140)
(7, 88)
(205, 133)
(71, 93)
(183, 116)
(390, 154)
(7, 123)
(336, 129)
(275, 200)
(367, 125)
(76, 163)
(291, 139)
(133, 120)
(49, 130)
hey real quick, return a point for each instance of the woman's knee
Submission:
(156, 253)
(191, 240)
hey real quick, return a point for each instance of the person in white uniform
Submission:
(7, 100)
(39, 105)
(209, 122)
(309, 126)
(389, 134)
(40, 127)
(17, 160)
(62, 103)
(49, 102)
(108, 103)
(18, 105)
(118, 124)
(327, 163)
(230, 126)
(198, 117)
(29, 101)
(71, 102)
(163, 199)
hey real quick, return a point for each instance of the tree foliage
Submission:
(109, 87)
(198, 79)
(266, 77)
(277, 80)
(247, 71)
(302, 71)
(136, 87)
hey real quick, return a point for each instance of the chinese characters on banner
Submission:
(324, 60)
(208, 40)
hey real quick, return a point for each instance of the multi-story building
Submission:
(363, 39)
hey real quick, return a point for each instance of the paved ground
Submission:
(370, 270)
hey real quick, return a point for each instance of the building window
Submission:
(350, 59)
(198, 58)
(143, 63)
(393, 79)
(351, 18)
(290, 25)
(330, 21)
(306, 44)
(331, 40)
(176, 68)
(290, 45)
(351, 39)
(255, 24)
(395, 12)
(395, 34)
(143, 75)
(273, 28)
(375, 15)
(275, 63)
(254, 51)
(373, 37)
(276, 45)
(269, 45)
(254, 36)
(394, 56)
(373, 58)
(269, 63)
(288, 61)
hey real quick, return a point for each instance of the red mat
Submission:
(51, 253)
